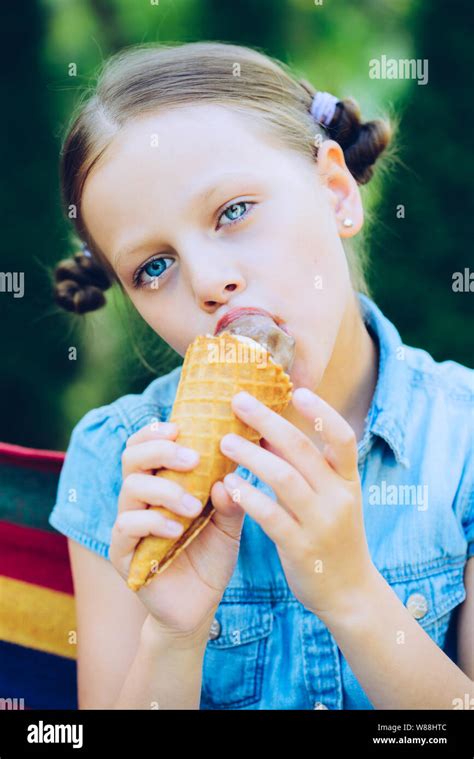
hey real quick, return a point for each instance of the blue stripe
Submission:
(44, 681)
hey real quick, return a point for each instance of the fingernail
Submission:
(304, 395)
(231, 481)
(245, 401)
(187, 456)
(167, 427)
(173, 528)
(229, 442)
(191, 504)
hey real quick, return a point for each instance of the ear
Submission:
(340, 186)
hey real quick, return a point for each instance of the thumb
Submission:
(228, 516)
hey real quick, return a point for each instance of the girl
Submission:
(207, 177)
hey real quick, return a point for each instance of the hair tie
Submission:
(323, 107)
(85, 250)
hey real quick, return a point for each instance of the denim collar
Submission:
(388, 412)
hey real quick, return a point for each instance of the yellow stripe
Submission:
(37, 617)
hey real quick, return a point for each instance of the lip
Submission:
(236, 313)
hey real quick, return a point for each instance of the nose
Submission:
(215, 287)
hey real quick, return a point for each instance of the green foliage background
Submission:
(412, 260)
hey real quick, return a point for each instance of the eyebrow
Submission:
(202, 195)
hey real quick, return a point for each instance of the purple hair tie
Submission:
(86, 251)
(323, 107)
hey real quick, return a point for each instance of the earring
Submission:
(347, 222)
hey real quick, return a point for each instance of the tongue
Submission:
(263, 330)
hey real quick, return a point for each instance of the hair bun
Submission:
(362, 142)
(80, 284)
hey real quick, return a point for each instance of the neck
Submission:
(348, 384)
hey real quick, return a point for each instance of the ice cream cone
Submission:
(211, 375)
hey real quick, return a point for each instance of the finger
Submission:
(273, 519)
(155, 454)
(131, 526)
(140, 490)
(226, 503)
(153, 431)
(290, 486)
(340, 441)
(229, 516)
(286, 440)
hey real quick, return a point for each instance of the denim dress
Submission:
(415, 459)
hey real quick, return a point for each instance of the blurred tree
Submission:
(45, 392)
(261, 24)
(34, 372)
(107, 19)
(414, 257)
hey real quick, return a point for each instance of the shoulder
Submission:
(91, 476)
(441, 410)
(133, 410)
(154, 403)
(423, 408)
(441, 401)
(114, 422)
(447, 380)
(405, 367)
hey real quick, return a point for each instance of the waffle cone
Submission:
(211, 375)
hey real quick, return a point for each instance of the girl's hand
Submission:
(317, 522)
(182, 599)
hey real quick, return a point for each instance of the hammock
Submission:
(37, 609)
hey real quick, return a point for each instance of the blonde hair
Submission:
(151, 77)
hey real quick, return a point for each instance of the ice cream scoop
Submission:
(281, 345)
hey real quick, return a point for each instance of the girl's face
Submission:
(199, 212)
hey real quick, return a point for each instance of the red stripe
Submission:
(35, 556)
(32, 458)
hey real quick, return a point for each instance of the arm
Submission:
(165, 674)
(396, 671)
(466, 623)
(317, 525)
(124, 661)
(145, 649)
(109, 622)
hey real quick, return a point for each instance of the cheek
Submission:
(305, 238)
(161, 318)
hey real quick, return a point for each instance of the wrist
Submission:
(158, 636)
(354, 607)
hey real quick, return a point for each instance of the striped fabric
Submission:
(37, 610)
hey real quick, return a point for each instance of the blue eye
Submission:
(234, 211)
(154, 269)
